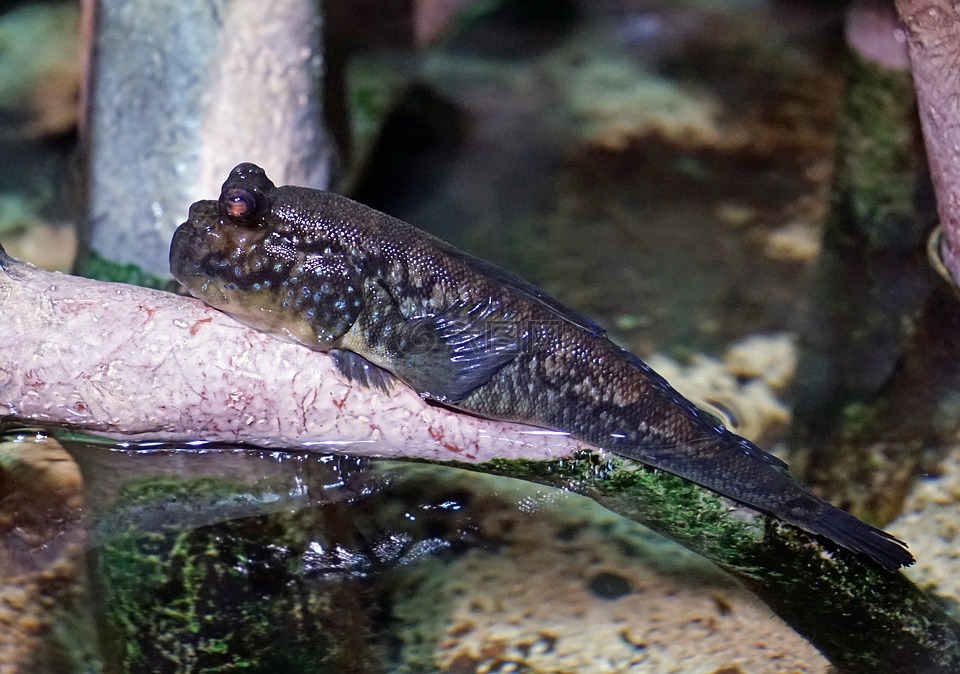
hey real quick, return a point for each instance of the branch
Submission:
(132, 364)
(933, 37)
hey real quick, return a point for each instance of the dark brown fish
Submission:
(389, 300)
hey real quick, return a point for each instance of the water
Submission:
(194, 559)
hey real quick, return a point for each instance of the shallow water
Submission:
(210, 559)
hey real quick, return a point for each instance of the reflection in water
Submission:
(261, 560)
(46, 624)
(206, 558)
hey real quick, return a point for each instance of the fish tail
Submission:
(849, 532)
(738, 469)
(795, 505)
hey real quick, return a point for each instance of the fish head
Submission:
(258, 255)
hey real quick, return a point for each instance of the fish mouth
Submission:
(182, 264)
(191, 243)
(186, 266)
(185, 263)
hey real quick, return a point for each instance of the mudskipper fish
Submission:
(388, 300)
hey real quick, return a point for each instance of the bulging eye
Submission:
(238, 203)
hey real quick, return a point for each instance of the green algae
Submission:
(192, 578)
(91, 264)
(672, 506)
(880, 163)
(222, 597)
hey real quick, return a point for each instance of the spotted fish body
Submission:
(390, 301)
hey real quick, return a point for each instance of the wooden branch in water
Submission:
(134, 364)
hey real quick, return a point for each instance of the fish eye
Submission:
(238, 203)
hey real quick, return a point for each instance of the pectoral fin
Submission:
(448, 356)
(443, 356)
(357, 369)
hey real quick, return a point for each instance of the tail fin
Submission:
(738, 469)
(849, 532)
(777, 492)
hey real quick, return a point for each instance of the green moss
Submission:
(880, 161)
(192, 581)
(179, 597)
(691, 515)
(93, 265)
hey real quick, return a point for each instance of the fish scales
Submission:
(391, 302)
